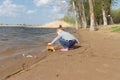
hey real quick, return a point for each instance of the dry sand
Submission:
(98, 58)
(54, 24)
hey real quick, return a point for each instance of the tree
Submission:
(92, 16)
(85, 12)
(75, 13)
(82, 12)
(109, 3)
(79, 12)
(104, 13)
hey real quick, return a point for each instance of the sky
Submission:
(116, 4)
(33, 12)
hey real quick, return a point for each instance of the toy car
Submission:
(50, 48)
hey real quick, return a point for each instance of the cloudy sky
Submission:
(31, 11)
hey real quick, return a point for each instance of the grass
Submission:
(115, 29)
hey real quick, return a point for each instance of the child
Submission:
(66, 39)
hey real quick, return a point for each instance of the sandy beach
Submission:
(97, 56)
(96, 59)
(36, 41)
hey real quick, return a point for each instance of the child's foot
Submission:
(64, 49)
(71, 47)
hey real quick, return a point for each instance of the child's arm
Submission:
(54, 40)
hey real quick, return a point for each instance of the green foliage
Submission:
(69, 19)
(116, 15)
(115, 29)
(87, 11)
(98, 10)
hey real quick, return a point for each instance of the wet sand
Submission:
(17, 65)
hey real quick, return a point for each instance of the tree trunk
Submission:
(104, 17)
(82, 15)
(75, 14)
(80, 18)
(104, 14)
(110, 19)
(92, 16)
(84, 21)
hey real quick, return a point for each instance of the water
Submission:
(21, 40)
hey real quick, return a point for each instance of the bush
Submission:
(116, 15)
(69, 19)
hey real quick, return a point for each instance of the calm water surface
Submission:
(21, 40)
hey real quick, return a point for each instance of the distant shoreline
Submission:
(27, 26)
(11, 25)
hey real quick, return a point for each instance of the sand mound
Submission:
(55, 24)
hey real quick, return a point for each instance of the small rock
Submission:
(57, 75)
(29, 56)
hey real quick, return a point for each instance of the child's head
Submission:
(59, 29)
(60, 26)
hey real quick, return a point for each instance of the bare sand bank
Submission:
(54, 24)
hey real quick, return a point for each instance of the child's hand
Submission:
(78, 43)
(49, 44)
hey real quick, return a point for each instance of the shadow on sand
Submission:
(75, 47)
